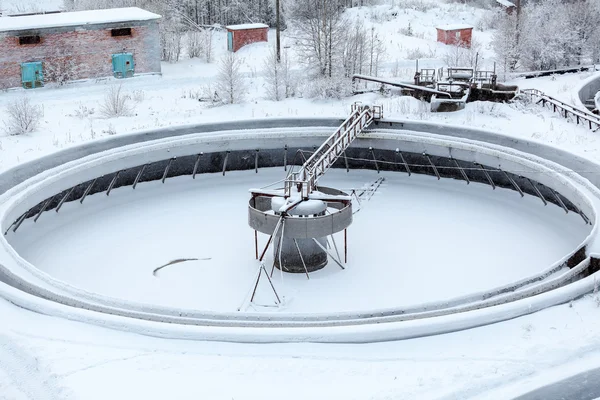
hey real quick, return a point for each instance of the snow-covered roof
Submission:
(506, 3)
(76, 18)
(246, 26)
(454, 27)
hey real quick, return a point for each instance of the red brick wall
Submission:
(247, 36)
(449, 37)
(87, 51)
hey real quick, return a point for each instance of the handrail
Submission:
(305, 179)
(565, 108)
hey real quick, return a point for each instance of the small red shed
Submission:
(241, 35)
(456, 34)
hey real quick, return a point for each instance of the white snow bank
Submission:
(76, 18)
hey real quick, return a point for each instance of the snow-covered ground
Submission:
(48, 358)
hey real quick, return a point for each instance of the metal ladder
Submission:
(304, 180)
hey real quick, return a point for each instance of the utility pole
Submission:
(278, 34)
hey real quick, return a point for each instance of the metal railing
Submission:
(305, 179)
(566, 110)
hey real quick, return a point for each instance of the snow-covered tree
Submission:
(230, 82)
(505, 43)
(278, 78)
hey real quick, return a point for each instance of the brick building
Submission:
(78, 45)
(241, 35)
(457, 34)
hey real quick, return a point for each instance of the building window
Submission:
(121, 32)
(29, 40)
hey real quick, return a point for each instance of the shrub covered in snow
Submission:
(23, 116)
(116, 103)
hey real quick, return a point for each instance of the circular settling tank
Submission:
(186, 243)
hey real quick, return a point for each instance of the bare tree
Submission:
(230, 82)
(23, 117)
(321, 26)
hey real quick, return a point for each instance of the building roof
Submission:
(506, 3)
(246, 26)
(454, 27)
(77, 18)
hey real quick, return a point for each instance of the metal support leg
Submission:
(87, 191)
(513, 183)
(112, 183)
(403, 161)
(346, 162)
(20, 221)
(139, 175)
(46, 204)
(345, 246)
(560, 202)
(62, 201)
(301, 258)
(537, 191)
(196, 165)
(487, 176)
(256, 161)
(374, 158)
(336, 248)
(462, 171)
(587, 221)
(325, 250)
(432, 165)
(256, 243)
(167, 169)
(225, 162)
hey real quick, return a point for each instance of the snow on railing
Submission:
(564, 109)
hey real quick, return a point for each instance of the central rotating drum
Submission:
(299, 230)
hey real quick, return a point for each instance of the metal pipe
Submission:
(225, 162)
(20, 221)
(403, 161)
(167, 169)
(87, 191)
(112, 183)
(46, 204)
(488, 177)
(374, 158)
(285, 157)
(560, 202)
(301, 258)
(62, 201)
(537, 191)
(139, 175)
(512, 182)
(432, 165)
(196, 166)
(462, 171)
(256, 161)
